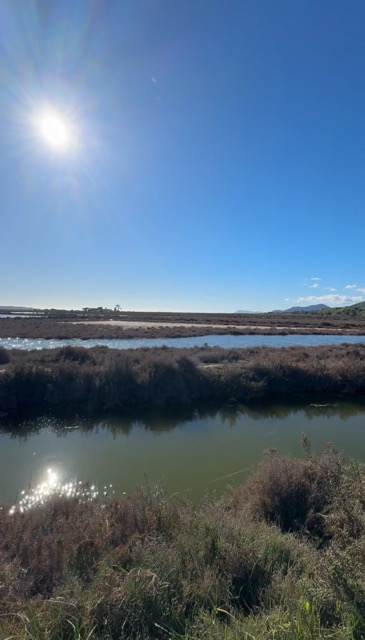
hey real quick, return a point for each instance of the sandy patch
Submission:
(137, 324)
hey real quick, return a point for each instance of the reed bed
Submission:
(105, 380)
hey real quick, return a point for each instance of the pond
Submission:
(226, 341)
(192, 451)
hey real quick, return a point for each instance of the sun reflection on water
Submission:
(53, 486)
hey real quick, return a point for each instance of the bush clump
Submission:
(4, 356)
(74, 354)
(293, 493)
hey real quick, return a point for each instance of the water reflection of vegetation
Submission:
(152, 419)
(165, 419)
(341, 409)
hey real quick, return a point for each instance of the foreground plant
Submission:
(283, 557)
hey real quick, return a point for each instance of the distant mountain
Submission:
(245, 311)
(310, 308)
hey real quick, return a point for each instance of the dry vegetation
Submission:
(73, 324)
(283, 558)
(102, 379)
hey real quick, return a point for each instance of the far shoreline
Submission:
(110, 325)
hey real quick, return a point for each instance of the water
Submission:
(190, 451)
(226, 341)
(20, 315)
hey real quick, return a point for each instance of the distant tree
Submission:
(117, 307)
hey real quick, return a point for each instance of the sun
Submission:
(54, 130)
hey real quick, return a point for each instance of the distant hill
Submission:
(10, 308)
(308, 309)
(357, 309)
(244, 311)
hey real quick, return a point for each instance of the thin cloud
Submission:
(351, 286)
(361, 290)
(315, 278)
(314, 286)
(331, 299)
(330, 288)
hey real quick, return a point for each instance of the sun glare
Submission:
(55, 131)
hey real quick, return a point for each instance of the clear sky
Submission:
(182, 154)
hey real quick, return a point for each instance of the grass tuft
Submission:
(282, 558)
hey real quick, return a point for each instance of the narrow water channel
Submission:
(192, 451)
(225, 341)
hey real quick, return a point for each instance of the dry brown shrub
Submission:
(291, 492)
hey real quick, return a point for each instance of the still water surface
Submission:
(193, 451)
(226, 341)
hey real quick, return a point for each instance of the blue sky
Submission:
(217, 160)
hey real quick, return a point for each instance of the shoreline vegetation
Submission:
(105, 324)
(280, 558)
(99, 379)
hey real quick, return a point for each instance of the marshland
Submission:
(170, 468)
(125, 452)
(108, 324)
